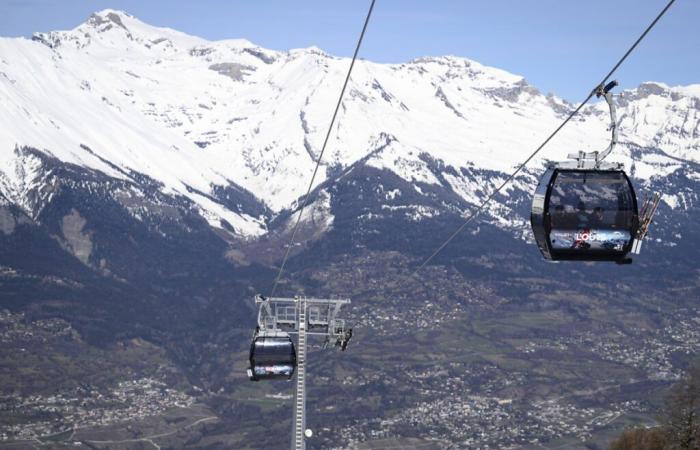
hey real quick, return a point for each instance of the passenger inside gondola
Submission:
(557, 217)
(581, 215)
(598, 218)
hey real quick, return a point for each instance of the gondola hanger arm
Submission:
(607, 95)
(582, 158)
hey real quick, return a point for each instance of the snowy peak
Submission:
(104, 20)
(675, 93)
(663, 117)
(113, 29)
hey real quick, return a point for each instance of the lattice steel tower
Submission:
(304, 317)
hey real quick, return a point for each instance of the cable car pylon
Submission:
(280, 317)
(299, 422)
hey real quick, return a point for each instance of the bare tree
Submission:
(641, 439)
(681, 414)
(679, 420)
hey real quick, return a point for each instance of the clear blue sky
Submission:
(560, 46)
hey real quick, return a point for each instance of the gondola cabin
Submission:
(584, 214)
(272, 356)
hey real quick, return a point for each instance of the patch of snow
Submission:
(670, 200)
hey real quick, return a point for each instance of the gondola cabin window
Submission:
(590, 211)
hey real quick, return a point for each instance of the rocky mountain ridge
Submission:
(233, 129)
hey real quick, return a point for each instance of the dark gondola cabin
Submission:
(584, 214)
(272, 356)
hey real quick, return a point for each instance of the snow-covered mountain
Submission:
(233, 130)
(148, 181)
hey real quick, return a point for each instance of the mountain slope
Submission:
(125, 98)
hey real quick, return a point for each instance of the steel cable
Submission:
(323, 149)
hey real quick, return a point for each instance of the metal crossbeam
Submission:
(321, 315)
